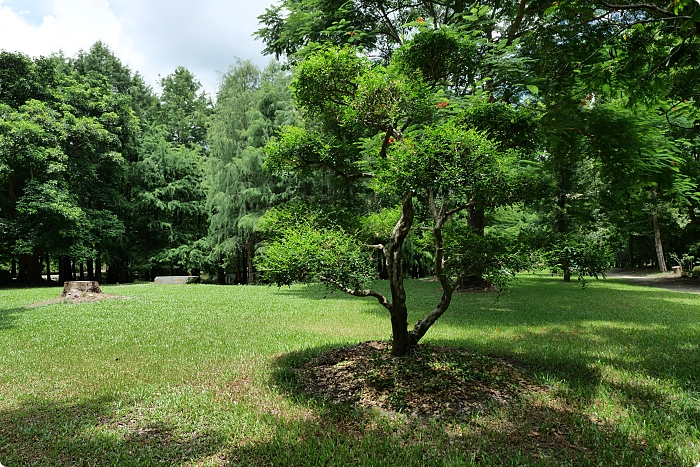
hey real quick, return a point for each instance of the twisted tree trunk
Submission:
(402, 341)
(440, 216)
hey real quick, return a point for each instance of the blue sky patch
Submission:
(31, 11)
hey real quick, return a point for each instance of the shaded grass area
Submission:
(203, 375)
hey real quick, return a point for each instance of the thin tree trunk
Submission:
(66, 269)
(90, 269)
(249, 265)
(658, 245)
(48, 268)
(566, 270)
(401, 342)
(630, 250)
(13, 272)
(98, 269)
(82, 271)
(630, 238)
(476, 219)
(222, 272)
(238, 269)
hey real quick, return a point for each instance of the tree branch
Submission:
(451, 212)
(516, 22)
(422, 326)
(360, 293)
(691, 214)
(670, 55)
(538, 9)
(636, 6)
(431, 204)
(392, 31)
(385, 144)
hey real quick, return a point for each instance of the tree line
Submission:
(103, 178)
(454, 139)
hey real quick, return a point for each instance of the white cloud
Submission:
(70, 26)
(152, 37)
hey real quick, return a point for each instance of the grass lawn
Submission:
(199, 375)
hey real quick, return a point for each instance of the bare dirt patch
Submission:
(434, 382)
(83, 298)
(475, 398)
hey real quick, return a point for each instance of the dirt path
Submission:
(668, 281)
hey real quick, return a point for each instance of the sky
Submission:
(152, 37)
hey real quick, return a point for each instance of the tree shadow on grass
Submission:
(654, 350)
(637, 380)
(533, 431)
(48, 433)
(8, 316)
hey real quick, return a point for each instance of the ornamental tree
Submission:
(374, 125)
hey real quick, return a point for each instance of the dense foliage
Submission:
(98, 170)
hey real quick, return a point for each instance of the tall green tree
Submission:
(184, 108)
(252, 104)
(116, 251)
(168, 206)
(167, 192)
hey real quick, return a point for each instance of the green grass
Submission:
(199, 375)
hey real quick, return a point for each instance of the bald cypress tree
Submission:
(168, 195)
(251, 105)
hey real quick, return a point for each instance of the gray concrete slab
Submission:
(176, 280)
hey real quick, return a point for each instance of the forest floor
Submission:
(652, 278)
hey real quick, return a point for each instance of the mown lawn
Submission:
(199, 375)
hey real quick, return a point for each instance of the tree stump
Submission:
(75, 289)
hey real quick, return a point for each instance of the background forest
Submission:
(582, 119)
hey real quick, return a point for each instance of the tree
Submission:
(410, 155)
(168, 195)
(184, 108)
(168, 206)
(251, 105)
(462, 50)
(116, 250)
